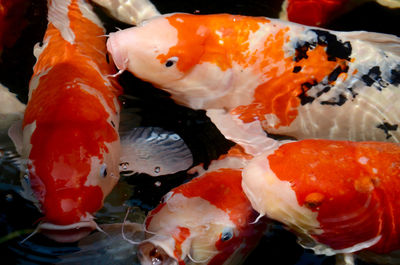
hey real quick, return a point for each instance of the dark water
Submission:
(152, 107)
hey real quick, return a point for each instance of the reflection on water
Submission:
(18, 216)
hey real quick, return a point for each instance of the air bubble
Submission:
(125, 165)
(157, 170)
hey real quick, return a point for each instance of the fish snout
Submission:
(116, 51)
(150, 254)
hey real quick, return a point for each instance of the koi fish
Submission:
(320, 13)
(205, 221)
(254, 74)
(340, 197)
(70, 127)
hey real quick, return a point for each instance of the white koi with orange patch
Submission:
(254, 74)
(205, 221)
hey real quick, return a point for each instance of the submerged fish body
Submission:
(258, 74)
(154, 151)
(338, 196)
(70, 126)
(205, 221)
(322, 12)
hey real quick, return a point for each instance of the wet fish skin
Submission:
(339, 197)
(207, 220)
(320, 12)
(70, 126)
(255, 74)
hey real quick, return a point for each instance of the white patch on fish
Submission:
(58, 16)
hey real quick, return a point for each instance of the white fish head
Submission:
(171, 58)
(138, 49)
(185, 228)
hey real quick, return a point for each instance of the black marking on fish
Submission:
(335, 73)
(374, 75)
(340, 101)
(304, 98)
(386, 127)
(296, 69)
(107, 58)
(113, 124)
(325, 90)
(354, 94)
(335, 48)
(395, 76)
(301, 51)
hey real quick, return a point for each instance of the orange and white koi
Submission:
(322, 12)
(205, 221)
(340, 197)
(253, 74)
(70, 127)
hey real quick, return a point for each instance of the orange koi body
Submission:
(322, 12)
(315, 12)
(341, 194)
(258, 74)
(70, 127)
(205, 221)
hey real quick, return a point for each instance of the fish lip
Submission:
(115, 51)
(149, 253)
(67, 233)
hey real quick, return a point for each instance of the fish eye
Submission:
(103, 170)
(171, 61)
(227, 234)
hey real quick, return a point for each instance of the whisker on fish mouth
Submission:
(122, 229)
(257, 219)
(117, 74)
(30, 235)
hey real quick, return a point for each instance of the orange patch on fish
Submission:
(212, 41)
(179, 238)
(279, 95)
(343, 190)
(207, 188)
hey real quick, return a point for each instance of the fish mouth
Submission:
(67, 233)
(150, 254)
